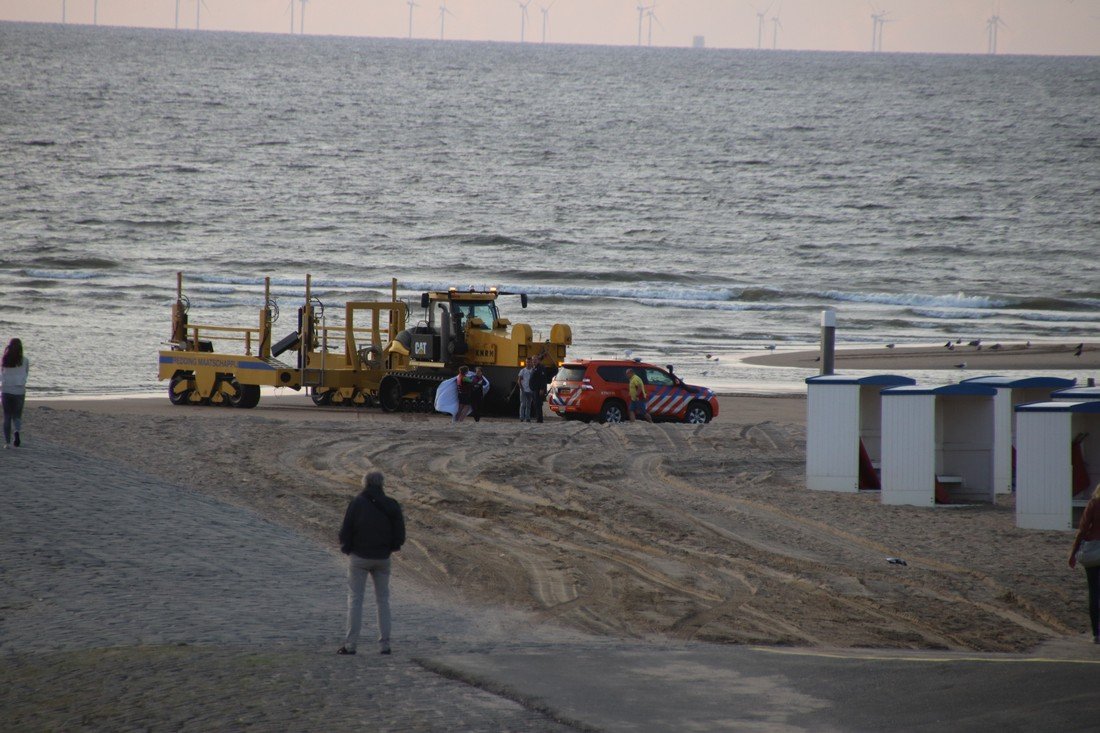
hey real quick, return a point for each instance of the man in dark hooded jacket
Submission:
(373, 528)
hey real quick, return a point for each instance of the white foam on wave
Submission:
(62, 274)
(959, 300)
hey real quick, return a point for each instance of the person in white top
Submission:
(13, 389)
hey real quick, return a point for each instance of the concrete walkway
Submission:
(126, 603)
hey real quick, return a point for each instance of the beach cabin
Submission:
(1011, 392)
(1078, 394)
(937, 444)
(844, 430)
(1057, 461)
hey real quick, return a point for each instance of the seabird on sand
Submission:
(889, 346)
(1080, 348)
(961, 365)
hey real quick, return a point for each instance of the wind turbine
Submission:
(545, 18)
(290, 11)
(641, 14)
(776, 25)
(652, 17)
(63, 9)
(95, 12)
(177, 15)
(523, 19)
(760, 15)
(991, 26)
(302, 18)
(878, 20)
(198, 12)
(443, 13)
(411, 6)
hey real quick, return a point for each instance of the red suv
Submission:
(597, 388)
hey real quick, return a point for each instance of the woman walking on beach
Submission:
(13, 389)
(1086, 550)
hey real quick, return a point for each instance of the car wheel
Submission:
(697, 413)
(613, 411)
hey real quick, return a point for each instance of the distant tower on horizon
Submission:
(198, 13)
(290, 12)
(878, 20)
(177, 15)
(546, 18)
(443, 13)
(302, 18)
(991, 27)
(411, 6)
(776, 25)
(641, 16)
(523, 19)
(760, 16)
(652, 17)
(95, 12)
(63, 10)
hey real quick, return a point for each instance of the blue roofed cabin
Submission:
(1057, 461)
(844, 430)
(1012, 391)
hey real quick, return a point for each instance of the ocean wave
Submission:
(965, 315)
(61, 274)
(959, 300)
(74, 263)
(715, 306)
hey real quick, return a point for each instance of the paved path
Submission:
(128, 604)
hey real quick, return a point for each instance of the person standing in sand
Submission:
(1088, 540)
(464, 389)
(540, 382)
(637, 397)
(477, 393)
(13, 389)
(526, 396)
(373, 528)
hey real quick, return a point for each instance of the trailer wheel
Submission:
(389, 394)
(320, 398)
(248, 395)
(179, 395)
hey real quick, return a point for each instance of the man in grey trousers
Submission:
(373, 528)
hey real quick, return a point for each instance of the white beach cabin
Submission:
(1011, 392)
(844, 430)
(1057, 461)
(937, 444)
(1078, 394)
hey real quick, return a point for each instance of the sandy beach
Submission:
(692, 532)
(623, 537)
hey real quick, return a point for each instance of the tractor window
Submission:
(658, 378)
(487, 312)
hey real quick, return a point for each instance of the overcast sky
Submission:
(941, 26)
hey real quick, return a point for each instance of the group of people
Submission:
(532, 382)
(471, 393)
(14, 367)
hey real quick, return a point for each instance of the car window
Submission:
(570, 373)
(658, 378)
(614, 374)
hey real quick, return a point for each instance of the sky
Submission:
(1045, 27)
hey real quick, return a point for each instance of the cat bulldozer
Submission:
(379, 362)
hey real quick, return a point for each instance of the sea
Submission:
(683, 206)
